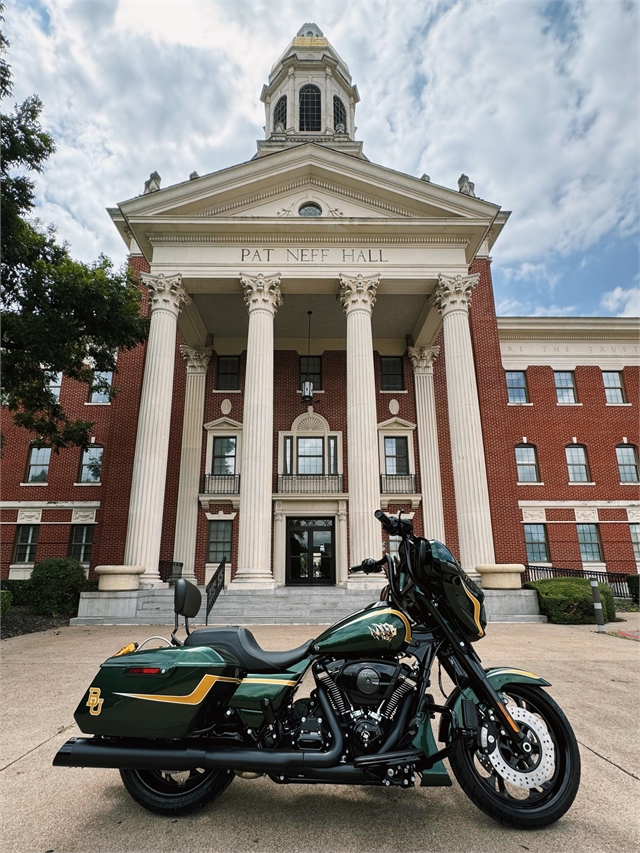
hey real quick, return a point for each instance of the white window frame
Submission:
(396, 428)
(223, 428)
(299, 429)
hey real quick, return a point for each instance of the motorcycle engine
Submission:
(366, 695)
(307, 730)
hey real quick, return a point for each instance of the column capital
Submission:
(422, 359)
(262, 292)
(453, 293)
(197, 358)
(166, 292)
(358, 293)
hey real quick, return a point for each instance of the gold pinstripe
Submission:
(476, 609)
(193, 698)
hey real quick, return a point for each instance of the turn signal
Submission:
(143, 670)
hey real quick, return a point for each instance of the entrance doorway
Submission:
(310, 551)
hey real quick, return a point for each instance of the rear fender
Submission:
(498, 677)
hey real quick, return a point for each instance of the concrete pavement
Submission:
(594, 679)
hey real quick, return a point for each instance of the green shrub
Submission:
(55, 587)
(19, 591)
(632, 582)
(91, 585)
(568, 601)
(5, 602)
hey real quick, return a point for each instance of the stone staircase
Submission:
(281, 606)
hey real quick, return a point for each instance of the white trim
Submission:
(49, 504)
(315, 391)
(635, 483)
(617, 404)
(532, 483)
(221, 428)
(568, 404)
(393, 392)
(33, 484)
(98, 483)
(97, 404)
(596, 566)
(520, 404)
(579, 483)
(601, 504)
(220, 516)
(227, 391)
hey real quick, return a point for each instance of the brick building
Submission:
(511, 439)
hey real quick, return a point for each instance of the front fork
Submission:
(463, 666)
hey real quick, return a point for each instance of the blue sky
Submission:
(535, 101)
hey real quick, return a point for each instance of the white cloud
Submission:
(623, 302)
(535, 101)
(528, 308)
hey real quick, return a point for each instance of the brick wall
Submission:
(550, 428)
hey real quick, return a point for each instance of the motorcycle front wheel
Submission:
(527, 793)
(173, 792)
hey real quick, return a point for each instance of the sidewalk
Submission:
(595, 679)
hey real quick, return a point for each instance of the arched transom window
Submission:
(339, 115)
(310, 108)
(280, 113)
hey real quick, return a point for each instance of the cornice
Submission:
(285, 240)
(568, 328)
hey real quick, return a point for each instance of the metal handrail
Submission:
(397, 484)
(616, 580)
(221, 484)
(309, 483)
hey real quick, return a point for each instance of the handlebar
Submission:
(396, 526)
(369, 566)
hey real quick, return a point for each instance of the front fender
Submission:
(497, 676)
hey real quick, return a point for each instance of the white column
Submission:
(279, 544)
(263, 298)
(422, 360)
(453, 297)
(357, 297)
(184, 543)
(167, 296)
(342, 553)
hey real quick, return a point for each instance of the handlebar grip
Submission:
(384, 520)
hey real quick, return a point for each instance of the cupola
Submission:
(310, 97)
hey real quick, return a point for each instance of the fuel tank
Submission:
(373, 631)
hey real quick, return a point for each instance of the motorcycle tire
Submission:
(173, 793)
(555, 758)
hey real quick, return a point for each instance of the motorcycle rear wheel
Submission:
(173, 793)
(554, 746)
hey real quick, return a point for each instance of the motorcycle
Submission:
(181, 721)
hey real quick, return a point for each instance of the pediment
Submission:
(222, 424)
(272, 186)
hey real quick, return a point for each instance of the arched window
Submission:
(577, 464)
(339, 115)
(280, 113)
(527, 463)
(310, 108)
(310, 209)
(627, 463)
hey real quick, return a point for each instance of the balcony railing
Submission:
(306, 484)
(398, 484)
(221, 484)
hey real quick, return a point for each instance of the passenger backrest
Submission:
(187, 599)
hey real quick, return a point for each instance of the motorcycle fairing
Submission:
(157, 692)
(498, 677)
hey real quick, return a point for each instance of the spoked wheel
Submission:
(525, 792)
(176, 792)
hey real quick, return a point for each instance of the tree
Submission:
(58, 315)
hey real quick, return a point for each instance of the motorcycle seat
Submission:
(244, 646)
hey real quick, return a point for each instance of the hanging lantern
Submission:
(307, 385)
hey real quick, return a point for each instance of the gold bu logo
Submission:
(383, 631)
(94, 701)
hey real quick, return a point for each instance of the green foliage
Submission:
(632, 583)
(19, 592)
(55, 587)
(58, 315)
(5, 602)
(569, 601)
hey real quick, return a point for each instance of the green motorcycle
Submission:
(181, 721)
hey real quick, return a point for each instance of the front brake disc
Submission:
(544, 769)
